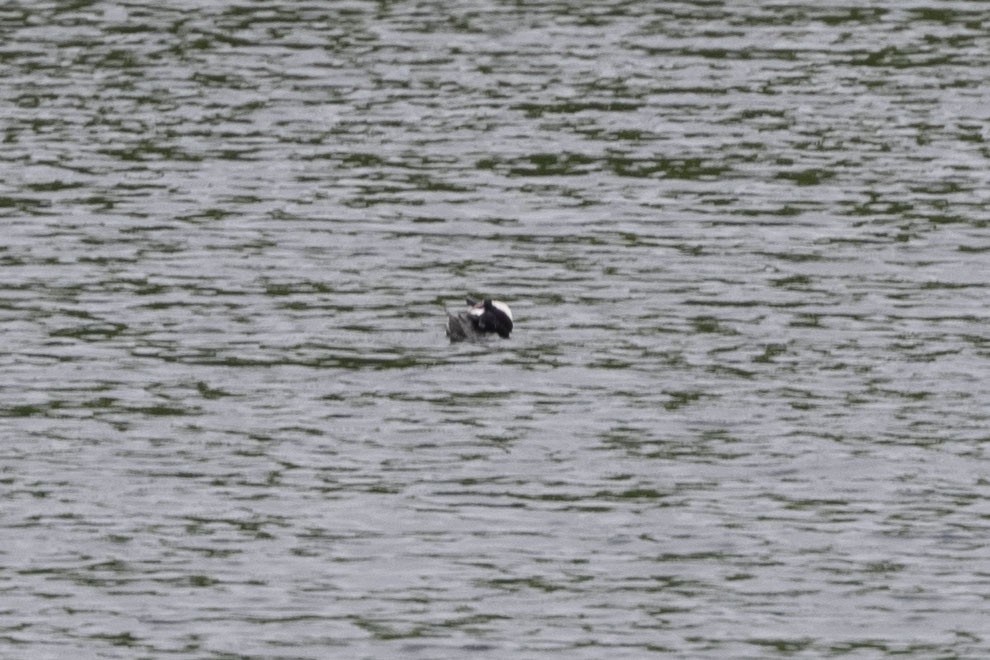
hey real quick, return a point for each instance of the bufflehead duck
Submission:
(480, 319)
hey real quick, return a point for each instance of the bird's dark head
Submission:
(497, 317)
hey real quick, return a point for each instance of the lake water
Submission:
(744, 412)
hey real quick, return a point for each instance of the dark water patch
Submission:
(91, 331)
(23, 204)
(535, 111)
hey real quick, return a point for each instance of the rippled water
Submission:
(744, 411)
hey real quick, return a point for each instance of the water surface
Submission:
(743, 412)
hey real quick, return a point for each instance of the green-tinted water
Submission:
(743, 413)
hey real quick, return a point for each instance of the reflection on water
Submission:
(741, 414)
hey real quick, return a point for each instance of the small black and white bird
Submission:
(480, 319)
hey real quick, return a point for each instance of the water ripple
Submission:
(742, 412)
